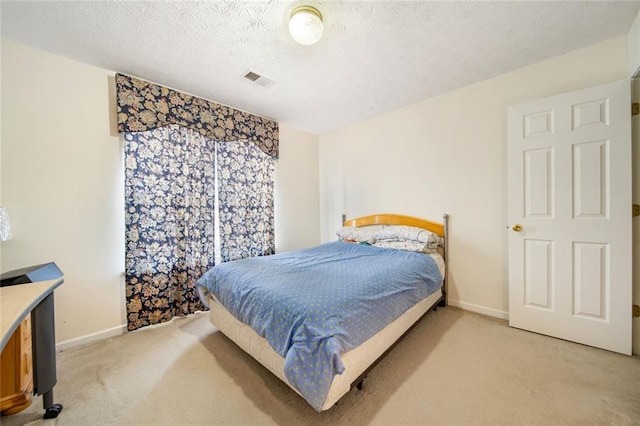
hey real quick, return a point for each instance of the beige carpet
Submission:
(455, 367)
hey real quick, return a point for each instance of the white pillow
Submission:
(411, 233)
(407, 245)
(427, 239)
(352, 233)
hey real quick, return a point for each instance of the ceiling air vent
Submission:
(259, 79)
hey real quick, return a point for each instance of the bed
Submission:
(321, 318)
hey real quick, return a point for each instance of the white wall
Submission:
(633, 42)
(297, 220)
(62, 182)
(448, 154)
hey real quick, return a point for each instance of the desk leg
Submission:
(51, 410)
(44, 355)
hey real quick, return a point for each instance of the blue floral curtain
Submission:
(169, 201)
(170, 193)
(246, 206)
(145, 106)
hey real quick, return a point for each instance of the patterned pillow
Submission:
(352, 233)
(429, 240)
(403, 232)
(407, 245)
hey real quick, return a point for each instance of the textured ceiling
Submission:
(375, 56)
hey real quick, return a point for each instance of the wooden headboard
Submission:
(397, 219)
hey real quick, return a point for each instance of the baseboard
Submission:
(98, 335)
(122, 329)
(479, 309)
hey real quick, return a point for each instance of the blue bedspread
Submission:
(313, 305)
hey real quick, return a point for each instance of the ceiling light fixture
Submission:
(305, 25)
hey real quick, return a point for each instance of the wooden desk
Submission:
(36, 299)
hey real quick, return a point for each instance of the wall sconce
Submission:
(5, 225)
(305, 25)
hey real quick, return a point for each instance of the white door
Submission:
(569, 212)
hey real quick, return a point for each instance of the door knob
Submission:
(517, 227)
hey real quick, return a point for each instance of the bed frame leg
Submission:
(360, 384)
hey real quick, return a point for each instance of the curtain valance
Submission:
(146, 106)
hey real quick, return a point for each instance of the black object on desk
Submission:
(31, 274)
(42, 333)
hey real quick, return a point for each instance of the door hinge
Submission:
(635, 108)
(635, 210)
(636, 310)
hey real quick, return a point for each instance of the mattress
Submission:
(356, 361)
